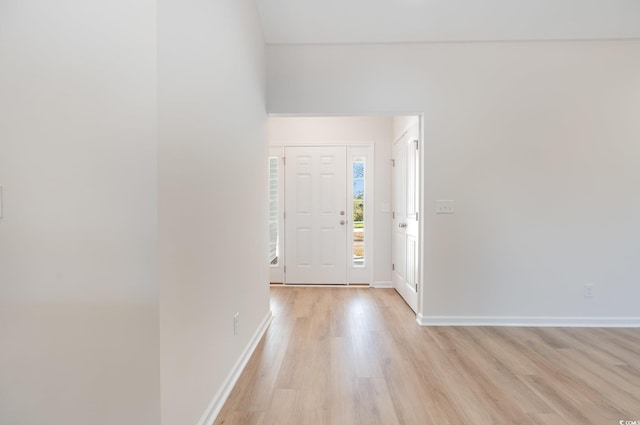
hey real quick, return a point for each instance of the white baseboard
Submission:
(382, 284)
(209, 416)
(576, 322)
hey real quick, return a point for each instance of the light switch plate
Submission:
(444, 207)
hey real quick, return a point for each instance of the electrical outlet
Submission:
(588, 290)
(236, 319)
(444, 207)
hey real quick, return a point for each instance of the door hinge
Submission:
(417, 143)
(393, 162)
(417, 215)
(393, 214)
(284, 269)
(284, 215)
(284, 160)
(393, 266)
(416, 287)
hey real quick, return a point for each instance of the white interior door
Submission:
(316, 221)
(406, 178)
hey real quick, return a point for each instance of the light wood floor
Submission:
(340, 356)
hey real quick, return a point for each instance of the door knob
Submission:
(341, 212)
(402, 225)
(342, 222)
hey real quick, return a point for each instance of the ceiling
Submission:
(389, 21)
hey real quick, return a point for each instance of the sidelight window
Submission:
(358, 221)
(274, 237)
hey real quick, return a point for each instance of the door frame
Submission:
(353, 149)
(424, 211)
(424, 215)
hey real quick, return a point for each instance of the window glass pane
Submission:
(358, 212)
(273, 211)
(358, 188)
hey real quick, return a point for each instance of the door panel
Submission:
(399, 262)
(304, 248)
(406, 185)
(412, 269)
(303, 194)
(316, 232)
(327, 194)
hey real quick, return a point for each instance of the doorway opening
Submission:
(344, 195)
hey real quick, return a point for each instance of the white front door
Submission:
(316, 215)
(405, 215)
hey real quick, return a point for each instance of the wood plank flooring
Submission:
(344, 356)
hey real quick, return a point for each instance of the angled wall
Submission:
(212, 162)
(94, 328)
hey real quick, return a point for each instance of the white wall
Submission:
(78, 293)
(376, 130)
(536, 142)
(212, 196)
